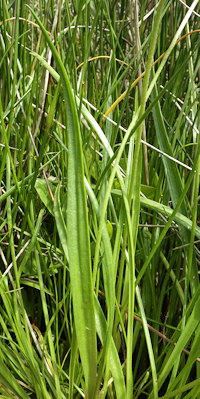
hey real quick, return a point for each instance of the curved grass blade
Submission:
(171, 169)
(10, 384)
(115, 365)
(185, 336)
(166, 211)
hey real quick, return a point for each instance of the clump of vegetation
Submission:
(99, 218)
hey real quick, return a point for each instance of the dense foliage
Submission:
(99, 214)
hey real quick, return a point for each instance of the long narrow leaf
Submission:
(77, 226)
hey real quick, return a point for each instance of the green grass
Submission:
(99, 215)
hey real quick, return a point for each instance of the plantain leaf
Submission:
(78, 240)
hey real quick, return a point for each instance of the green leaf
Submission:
(114, 361)
(10, 383)
(185, 336)
(148, 191)
(43, 192)
(171, 169)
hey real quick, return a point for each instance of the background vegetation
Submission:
(99, 218)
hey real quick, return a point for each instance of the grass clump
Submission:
(99, 200)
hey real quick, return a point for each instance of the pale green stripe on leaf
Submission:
(78, 232)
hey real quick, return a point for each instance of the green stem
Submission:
(134, 187)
